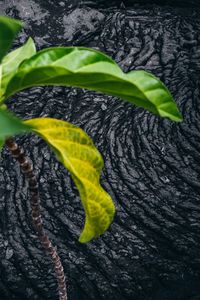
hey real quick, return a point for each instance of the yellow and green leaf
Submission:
(76, 151)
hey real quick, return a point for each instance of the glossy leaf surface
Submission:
(90, 69)
(11, 125)
(8, 30)
(12, 60)
(76, 151)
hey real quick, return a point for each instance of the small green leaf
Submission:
(8, 30)
(76, 151)
(11, 125)
(1, 69)
(12, 60)
(90, 69)
(1, 144)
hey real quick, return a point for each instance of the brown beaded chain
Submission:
(27, 168)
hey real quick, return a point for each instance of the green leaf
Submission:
(8, 30)
(76, 151)
(90, 69)
(11, 125)
(1, 144)
(12, 60)
(1, 70)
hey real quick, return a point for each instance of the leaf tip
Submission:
(173, 115)
(97, 224)
(87, 234)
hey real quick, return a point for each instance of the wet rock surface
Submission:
(152, 166)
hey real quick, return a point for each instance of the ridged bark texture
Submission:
(27, 169)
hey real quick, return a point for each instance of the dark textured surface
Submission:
(152, 166)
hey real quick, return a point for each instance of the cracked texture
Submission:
(151, 251)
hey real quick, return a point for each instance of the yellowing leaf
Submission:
(76, 151)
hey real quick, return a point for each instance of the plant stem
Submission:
(27, 168)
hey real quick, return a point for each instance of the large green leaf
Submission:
(76, 151)
(87, 68)
(8, 30)
(11, 125)
(12, 60)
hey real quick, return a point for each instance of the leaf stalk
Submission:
(26, 167)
